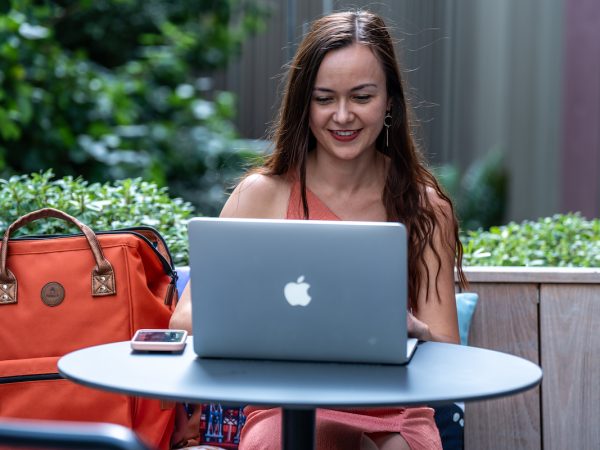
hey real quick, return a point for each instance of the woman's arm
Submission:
(436, 318)
(182, 316)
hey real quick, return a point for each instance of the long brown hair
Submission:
(405, 193)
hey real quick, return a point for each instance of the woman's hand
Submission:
(416, 328)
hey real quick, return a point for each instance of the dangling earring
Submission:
(387, 121)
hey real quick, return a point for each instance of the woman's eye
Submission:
(362, 98)
(322, 100)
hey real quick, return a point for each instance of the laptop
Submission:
(299, 290)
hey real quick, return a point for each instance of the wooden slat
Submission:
(570, 332)
(506, 319)
(533, 274)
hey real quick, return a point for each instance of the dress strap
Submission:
(316, 208)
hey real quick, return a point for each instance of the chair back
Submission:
(48, 434)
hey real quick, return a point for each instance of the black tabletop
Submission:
(437, 373)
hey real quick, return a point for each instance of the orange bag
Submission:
(62, 293)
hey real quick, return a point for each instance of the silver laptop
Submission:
(299, 290)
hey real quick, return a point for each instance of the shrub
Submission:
(563, 240)
(101, 206)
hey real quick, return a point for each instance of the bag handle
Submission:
(103, 277)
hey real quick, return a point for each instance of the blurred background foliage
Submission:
(480, 192)
(109, 89)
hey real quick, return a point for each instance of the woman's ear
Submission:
(389, 105)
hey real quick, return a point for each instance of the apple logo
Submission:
(296, 293)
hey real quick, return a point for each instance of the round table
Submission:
(438, 373)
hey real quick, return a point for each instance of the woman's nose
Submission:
(342, 113)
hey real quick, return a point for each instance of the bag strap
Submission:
(103, 276)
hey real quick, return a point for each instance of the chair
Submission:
(52, 434)
(183, 276)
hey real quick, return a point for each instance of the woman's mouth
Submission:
(344, 135)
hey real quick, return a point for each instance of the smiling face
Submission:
(348, 103)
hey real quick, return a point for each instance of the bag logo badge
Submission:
(53, 294)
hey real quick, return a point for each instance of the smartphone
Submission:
(159, 340)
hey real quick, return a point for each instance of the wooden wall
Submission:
(550, 317)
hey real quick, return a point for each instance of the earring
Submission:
(387, 121)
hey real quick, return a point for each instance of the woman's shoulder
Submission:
(441, 206)
(436, 199)
(259, 196)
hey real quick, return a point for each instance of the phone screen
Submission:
(160, 336)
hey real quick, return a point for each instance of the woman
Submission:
(343, 150)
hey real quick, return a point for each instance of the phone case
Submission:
(158, 346)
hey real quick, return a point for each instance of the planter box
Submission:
(550, 316)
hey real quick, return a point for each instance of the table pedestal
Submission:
(298, 429)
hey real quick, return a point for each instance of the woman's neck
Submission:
(352, 190)
(328, 175)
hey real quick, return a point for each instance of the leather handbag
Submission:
(61, 293)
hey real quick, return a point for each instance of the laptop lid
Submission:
(299, 290)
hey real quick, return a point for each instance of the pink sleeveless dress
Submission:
(339, 429)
